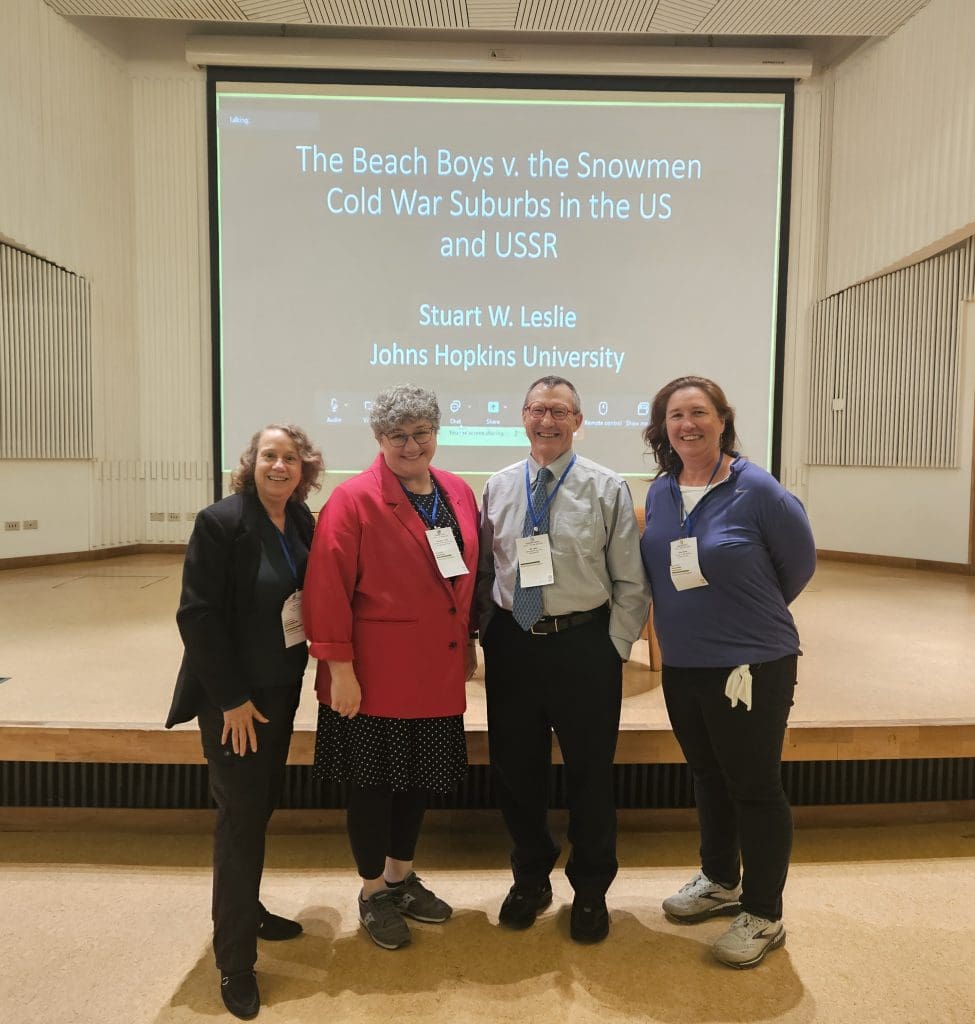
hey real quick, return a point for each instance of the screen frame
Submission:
(480, 80)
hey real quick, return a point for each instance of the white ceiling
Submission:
(829, 29)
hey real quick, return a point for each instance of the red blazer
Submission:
(373, 595)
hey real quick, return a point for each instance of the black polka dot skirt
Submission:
(402, 753)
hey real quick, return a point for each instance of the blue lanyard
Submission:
(286, 548)
(536, 519)
(432, 521)
(686, 517)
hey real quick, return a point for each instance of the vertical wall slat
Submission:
(45, 353)
(172, 314)
(891, 349)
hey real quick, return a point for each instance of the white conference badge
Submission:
(535, 560)
(684, 568)
(443, 544)
(292, 621)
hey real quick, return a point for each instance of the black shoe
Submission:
(277, 929)
(522, 904)
(240, 994)
(590, 919)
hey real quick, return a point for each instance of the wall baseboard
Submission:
(896, 561)
(32, 561)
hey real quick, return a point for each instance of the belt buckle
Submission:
(545, 632)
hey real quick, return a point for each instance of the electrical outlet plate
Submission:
(30, 524)
(173, 517)
(11, 524)
(157, 517)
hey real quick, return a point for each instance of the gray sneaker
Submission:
(382, 920)
(700, 899)
(747, 941)
(414, 899)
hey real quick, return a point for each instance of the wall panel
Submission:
(105, 174)
(905, 512)
(903, 145)
(66, 195)
(896, 162)
(807, 233)
(172, 298)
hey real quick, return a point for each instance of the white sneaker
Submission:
(747, 941)
(700, 899)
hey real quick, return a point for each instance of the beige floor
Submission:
(113, 928)
(96, 642)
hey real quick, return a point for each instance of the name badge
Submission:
(535, 560)
(684, 568)
(292, 621)
(443, 544)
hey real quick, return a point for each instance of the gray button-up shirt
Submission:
(594, 540)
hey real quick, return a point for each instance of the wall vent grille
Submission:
(172, 786)
(45, 360)
(885, 363)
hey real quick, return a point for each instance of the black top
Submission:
(423, 503)
(265, 659)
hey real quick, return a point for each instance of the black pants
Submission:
(735, 757)
(571, 683)
(246, 791)
(382, 823)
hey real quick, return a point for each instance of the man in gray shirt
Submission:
(562, 597)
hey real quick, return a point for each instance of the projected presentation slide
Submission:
(472, 240)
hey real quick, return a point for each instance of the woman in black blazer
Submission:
(245, 654)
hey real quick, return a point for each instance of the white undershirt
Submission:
(692, 495)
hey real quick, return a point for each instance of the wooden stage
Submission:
(90, 651)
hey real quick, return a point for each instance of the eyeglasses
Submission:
(399, 439)
(537, 411)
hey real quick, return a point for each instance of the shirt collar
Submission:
(555, 467)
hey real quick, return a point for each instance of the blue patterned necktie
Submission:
(526, 602)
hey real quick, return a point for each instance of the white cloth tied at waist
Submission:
(739, 686)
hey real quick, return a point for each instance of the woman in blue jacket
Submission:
(726, 549)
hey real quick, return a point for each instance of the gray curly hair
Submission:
(403, 403)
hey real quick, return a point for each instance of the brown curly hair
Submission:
(655, 435)
(312, 463)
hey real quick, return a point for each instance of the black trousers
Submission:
(382, 823)
(571, 683)
(246, 791)
(735, 757)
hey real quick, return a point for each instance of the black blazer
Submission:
(217, 600)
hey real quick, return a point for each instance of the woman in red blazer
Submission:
(388, 596)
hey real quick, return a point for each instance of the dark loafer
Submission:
(590, 919)
(240, 994)
(523, 903)
(277, 929)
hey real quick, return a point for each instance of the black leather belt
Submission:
(562, 623)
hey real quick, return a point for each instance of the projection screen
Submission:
(472, 236)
